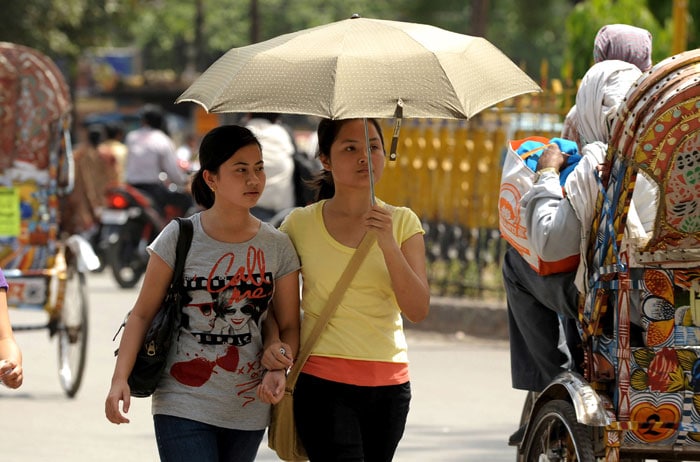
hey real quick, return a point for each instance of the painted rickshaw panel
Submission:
(641, 315)
(35, 110)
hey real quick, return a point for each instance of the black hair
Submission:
(96, 134)
(114, 130)
(328, 129)
(218, 146)
(152, 115)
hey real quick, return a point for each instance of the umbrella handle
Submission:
(392, 153)
(369, 163)
(397, 128)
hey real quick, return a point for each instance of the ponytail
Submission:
(203, 195)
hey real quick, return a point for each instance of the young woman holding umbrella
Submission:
(352, 397)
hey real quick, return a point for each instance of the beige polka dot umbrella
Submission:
(362, 68)
(358, 68)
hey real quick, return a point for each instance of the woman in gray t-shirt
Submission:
(209, 404)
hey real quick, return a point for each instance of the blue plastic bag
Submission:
(566, 146)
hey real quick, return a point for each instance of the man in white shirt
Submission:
(150, 152)
(278, 151)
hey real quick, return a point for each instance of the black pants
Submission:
(534, 305)
(341, 422)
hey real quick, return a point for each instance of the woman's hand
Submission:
(118, 392)
(11, 373)
(277, 356)
(271, 390)
(379, 220)
(552, 157)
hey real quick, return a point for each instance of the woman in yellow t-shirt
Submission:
(352, 398)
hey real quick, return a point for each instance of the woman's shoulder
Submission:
(300, 214)
(278, 242)
(170, 230)
(270, 233)
(406, 221)
(269, 230)
(398, 210)
(309, 209)
(407, 217)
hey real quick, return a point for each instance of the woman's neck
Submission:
(229, 225)
(342, 216)
(354, 204)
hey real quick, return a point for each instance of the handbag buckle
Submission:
(151, 348)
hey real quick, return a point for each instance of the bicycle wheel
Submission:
(73, 333)
(557, 436)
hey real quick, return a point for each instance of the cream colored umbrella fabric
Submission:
(362, 67)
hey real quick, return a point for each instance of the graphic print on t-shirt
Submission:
(223, 317)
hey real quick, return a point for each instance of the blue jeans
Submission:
(341, 422)
(187, 440)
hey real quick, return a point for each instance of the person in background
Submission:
(11, 372)
(558, 222)
(213, 400)
(278, 151)
(352, 397)
(186, 153)
(614, 41)
(113, 152)
(81, 208)
(625, 43)
(150, 153)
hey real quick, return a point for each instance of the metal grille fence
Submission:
(449, 172)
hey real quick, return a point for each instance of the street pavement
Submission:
(480, 318)
(463, 407)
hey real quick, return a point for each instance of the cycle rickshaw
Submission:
(637, 396)
(45, 270)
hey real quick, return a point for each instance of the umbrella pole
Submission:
(369, 163)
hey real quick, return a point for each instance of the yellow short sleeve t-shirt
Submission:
(367, 324)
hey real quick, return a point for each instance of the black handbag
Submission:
(152, 356)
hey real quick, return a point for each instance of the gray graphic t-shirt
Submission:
(214, 368)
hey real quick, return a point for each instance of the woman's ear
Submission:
(207, 177)
(325, 162)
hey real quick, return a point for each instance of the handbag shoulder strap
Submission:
(330, 306)
(184, 240)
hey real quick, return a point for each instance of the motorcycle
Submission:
(130, 221)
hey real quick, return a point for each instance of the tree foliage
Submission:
(181, 34)
(588, 17)
(654, 15)
(64, 28)
(527, 34)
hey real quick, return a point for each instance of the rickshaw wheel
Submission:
(73, 333)
(556, 436)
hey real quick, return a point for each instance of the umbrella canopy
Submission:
(359, 68)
